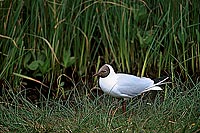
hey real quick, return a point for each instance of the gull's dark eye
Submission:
(104, 71)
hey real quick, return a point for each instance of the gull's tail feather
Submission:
(155, 86)
(152, 88)
(162, 82)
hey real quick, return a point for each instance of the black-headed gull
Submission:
(124, 85)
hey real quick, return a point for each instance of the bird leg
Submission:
(124, 106)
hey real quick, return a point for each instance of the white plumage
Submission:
(124, 85)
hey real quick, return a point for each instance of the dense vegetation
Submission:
(49, 51)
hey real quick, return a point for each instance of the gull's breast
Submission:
(107, 84)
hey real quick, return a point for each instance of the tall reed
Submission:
(148, 38)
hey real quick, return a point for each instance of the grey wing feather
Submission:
(131, 85)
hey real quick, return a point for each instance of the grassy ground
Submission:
(178, 112)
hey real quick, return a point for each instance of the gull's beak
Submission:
(96, 74)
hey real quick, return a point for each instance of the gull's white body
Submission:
(126, 85)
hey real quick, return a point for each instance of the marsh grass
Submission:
(46, 38)
(179, 112)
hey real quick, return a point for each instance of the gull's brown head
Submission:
(103, 72)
